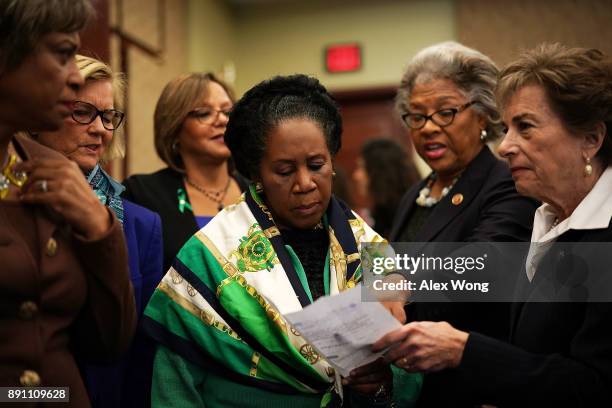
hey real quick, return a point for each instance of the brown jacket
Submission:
(68, 299)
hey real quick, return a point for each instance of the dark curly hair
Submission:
(271, 102)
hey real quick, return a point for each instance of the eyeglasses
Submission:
(208, 116)
(85, 113)
(441, 118)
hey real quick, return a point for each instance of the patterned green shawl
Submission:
(221, 304)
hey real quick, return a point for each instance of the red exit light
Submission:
(343, 58)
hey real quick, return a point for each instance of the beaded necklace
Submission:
(424, 200)
(216, 196)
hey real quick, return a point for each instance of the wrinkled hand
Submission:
(424, 346)
(67, 193)
(368, 378)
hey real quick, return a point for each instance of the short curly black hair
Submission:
(268, 104)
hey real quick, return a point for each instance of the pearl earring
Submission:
(588, 169)
(483, 135)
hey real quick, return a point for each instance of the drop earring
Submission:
(588, 169)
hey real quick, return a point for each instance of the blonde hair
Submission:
(179, 97)
(96, 70)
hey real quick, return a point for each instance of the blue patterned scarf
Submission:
(107, 189)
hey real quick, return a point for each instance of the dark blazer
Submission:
(158, 193)
(69, 299)
(128, 383)
(491, 211)
(560, 353)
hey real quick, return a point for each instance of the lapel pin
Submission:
(457, 199)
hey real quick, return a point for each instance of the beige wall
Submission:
(211, 35)
(286, 38)
(265, 40)
(503, 28)
(147, 76)
(259, 41)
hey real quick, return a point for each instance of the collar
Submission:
(337, 219)
(593, 212)
(117, 187)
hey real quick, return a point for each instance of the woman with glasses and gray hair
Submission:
(557, 105)
(447, 102)
(91, 137)
(199, 180)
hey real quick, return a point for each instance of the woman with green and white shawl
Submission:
(218, 314)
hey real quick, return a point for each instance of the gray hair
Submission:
(474, 73)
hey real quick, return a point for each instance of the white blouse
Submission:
(593, 212)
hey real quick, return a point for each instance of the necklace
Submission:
(216, 196)
(8, 176)
(424, 200)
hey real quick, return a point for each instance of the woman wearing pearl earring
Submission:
(557, 105)
(446, 100)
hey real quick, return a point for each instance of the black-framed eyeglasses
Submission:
(208, 115)
(85, 113)
(443, 117)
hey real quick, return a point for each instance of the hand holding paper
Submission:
(342, 328)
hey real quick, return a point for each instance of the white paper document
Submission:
(342, 328)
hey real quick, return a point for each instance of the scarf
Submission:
(107, 189)
(221, 304)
